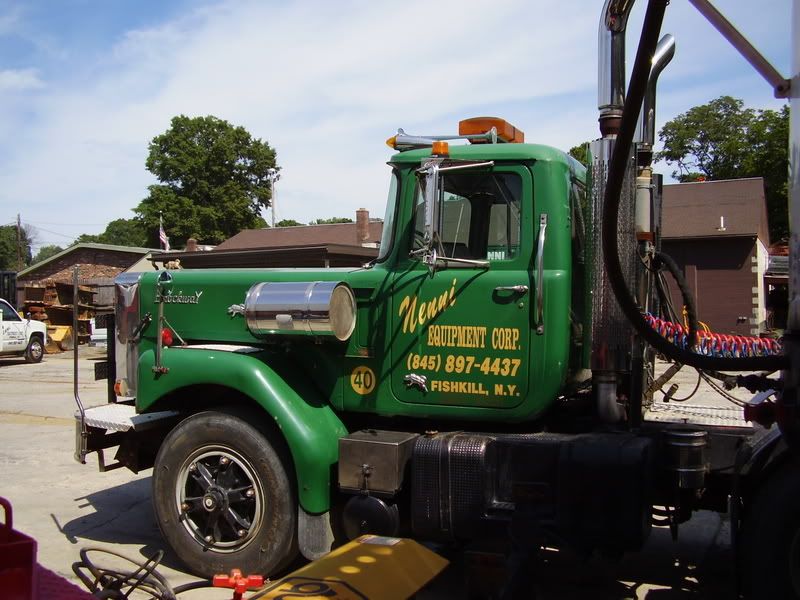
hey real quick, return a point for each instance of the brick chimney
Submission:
(191, 245)
(362, 226)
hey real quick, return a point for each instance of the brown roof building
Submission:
(333, 245)
(340, 234)
(717, 233)
(98, 264)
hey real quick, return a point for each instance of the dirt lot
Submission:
(67, 506)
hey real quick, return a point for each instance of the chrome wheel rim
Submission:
(36, 350)
(219, 498)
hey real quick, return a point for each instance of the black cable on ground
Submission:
(113, 583)
(654, 16)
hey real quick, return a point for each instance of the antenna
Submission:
(721, 224)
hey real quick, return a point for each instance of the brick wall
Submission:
(93, 263)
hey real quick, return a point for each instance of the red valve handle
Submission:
(238, 582)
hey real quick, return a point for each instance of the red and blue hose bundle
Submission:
(715, 344)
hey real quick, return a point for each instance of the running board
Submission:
(104, 426)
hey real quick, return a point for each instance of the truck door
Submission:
(13, 336)
(462, 329)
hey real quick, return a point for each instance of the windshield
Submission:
(479, 217)
(388, 220)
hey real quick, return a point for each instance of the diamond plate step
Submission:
(697, 414)
(122, 417)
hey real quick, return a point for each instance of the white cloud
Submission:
(326, 83)
(18, 80)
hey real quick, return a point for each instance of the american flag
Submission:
(162, 235)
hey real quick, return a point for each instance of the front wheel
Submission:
(35, 350)
(223, 498)
(770, 544)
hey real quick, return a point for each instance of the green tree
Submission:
(287, 223)
(215, 179)
(124, 232)
(580, 153)
(725, 140)
(119, 232)
(8, 247)
(88, 238)
(331, 221)
(46, 252)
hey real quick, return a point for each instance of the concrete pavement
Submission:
(67, 506)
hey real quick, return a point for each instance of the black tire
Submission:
(770, 543)
(201, 481)
(35, 350)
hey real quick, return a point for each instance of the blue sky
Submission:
(85, 85)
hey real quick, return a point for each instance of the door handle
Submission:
(518, 289)
(540, 274)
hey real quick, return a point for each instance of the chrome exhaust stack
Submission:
(612, 334)
(611, 64)
(614, 346)
(646, 131)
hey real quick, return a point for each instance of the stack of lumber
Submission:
(52, 303)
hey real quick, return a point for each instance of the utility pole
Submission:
(273, 178)
(19, 244)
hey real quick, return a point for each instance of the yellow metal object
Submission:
(369, 568)
(59, 338)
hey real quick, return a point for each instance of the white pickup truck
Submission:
(20, 337)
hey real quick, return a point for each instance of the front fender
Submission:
(309, 425)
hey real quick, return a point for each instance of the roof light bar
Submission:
(506, 132)
(478, 130)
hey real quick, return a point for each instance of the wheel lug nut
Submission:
(224, 460)
(241, 533)
(209, 539)
(250, 493)
(185, 506)
(193, 467)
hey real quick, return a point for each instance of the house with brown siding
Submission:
(717, 233)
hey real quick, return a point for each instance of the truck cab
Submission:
(473, 312)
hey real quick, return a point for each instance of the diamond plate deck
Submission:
(697, 414)
(121, 417)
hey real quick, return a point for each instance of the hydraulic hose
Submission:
(688, 300)
(651, 29)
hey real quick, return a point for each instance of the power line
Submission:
(71, 237)
(69, 224)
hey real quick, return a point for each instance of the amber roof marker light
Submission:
(506, 132)
(440, 148)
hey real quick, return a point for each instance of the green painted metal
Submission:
(307, 422)
(308, 385)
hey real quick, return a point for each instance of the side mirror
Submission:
(431, 207)
(432, 203)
